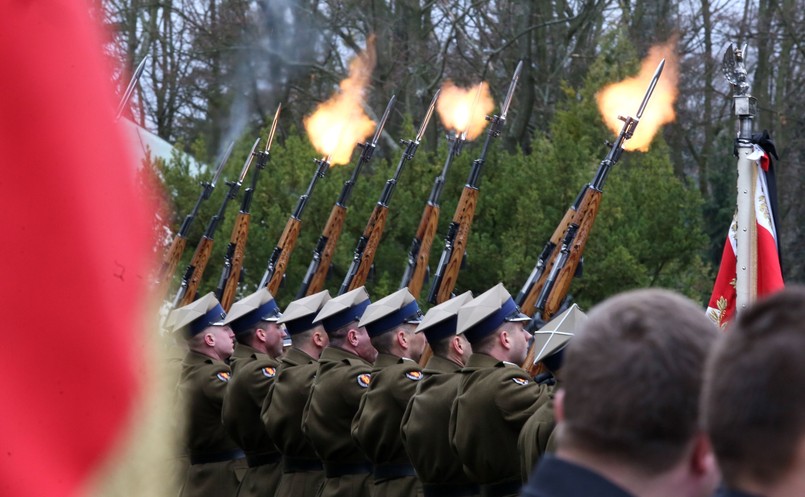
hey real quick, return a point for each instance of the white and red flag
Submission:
(766, 273)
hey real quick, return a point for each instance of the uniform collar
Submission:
(438, 364)
(193, 357)
(478, 360)
(296, 357)
(556, 477)
(386, 360)
(243, 351)
(334, 354)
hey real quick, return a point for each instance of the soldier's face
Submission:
(519, 338)
(274, 337)
(224, 341)
(364, 348)
(417, 341)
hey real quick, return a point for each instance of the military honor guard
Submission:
(391, 323)
(302, 472)
(343, 375)
(628, 418)
(538, 433)
(424, 427)
(496, 396)
(215, 459)
(254, 367)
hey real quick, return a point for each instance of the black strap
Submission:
(227, 455)
(300, 465)
(450, 489)
(511, 487)
(392, 471)
(255, 460)
(336, 470)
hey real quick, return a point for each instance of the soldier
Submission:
(391, 324)
(342, 377)
(215, 459)
(496, 396)
(538, 433)
(302, 473)
(628, 410)
(427, 417)
(254, 367)
(753, 403)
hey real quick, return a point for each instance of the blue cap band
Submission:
(247, 321)
(442, 330)
(343, 318)
(214, 315)
(492, 322)
(301, 324)
(396, 318)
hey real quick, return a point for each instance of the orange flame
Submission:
(626, 96)
(460, 110)
(339, 123)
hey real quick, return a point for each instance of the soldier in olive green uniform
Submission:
(342, 377)
(215, 459)
(496, 396)
(302, 472)
(391, 324)
(537, 436)
(254, 367)
(427, 418)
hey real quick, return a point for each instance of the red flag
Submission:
(769, 277)
(75, 252)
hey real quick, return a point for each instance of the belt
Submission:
(300, 465)
(392, 471)
(255, 460)
(450, 489)
(335, 470)
(511, 487)
(227, 455)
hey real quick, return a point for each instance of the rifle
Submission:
(194, 271)
(174, 253)
(236, 250)
(459, 230)
(370, 239)
(313, 281)
(416, 268)
(279, 258)
(548, 284)
(135, 78)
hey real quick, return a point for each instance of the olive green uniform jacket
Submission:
(282, 415)
(425, 431)
(216, 461)
(495, 398)
(252, 375)
(376, 426)
(341, 380)
(537, 437)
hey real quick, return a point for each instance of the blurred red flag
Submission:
(75, 252)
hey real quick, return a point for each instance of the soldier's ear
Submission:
(209, 339)
(402, 339)
(559, 405)
(319, 339)
(505, 339)
(260, 333)
(352, 337)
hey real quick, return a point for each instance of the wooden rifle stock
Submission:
(420, 249)
(367, 246)
(169, 263)
(445, 283)
(282, 253)
(328, 240)
(235, 254)
(195, 270)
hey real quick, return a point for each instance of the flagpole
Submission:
(745, 107)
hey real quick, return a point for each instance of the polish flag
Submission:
(74, 257)
(768, 277)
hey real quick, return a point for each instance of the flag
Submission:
(75, 254)
(768, 272)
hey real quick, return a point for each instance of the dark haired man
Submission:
(628, 407)
(754, 407)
